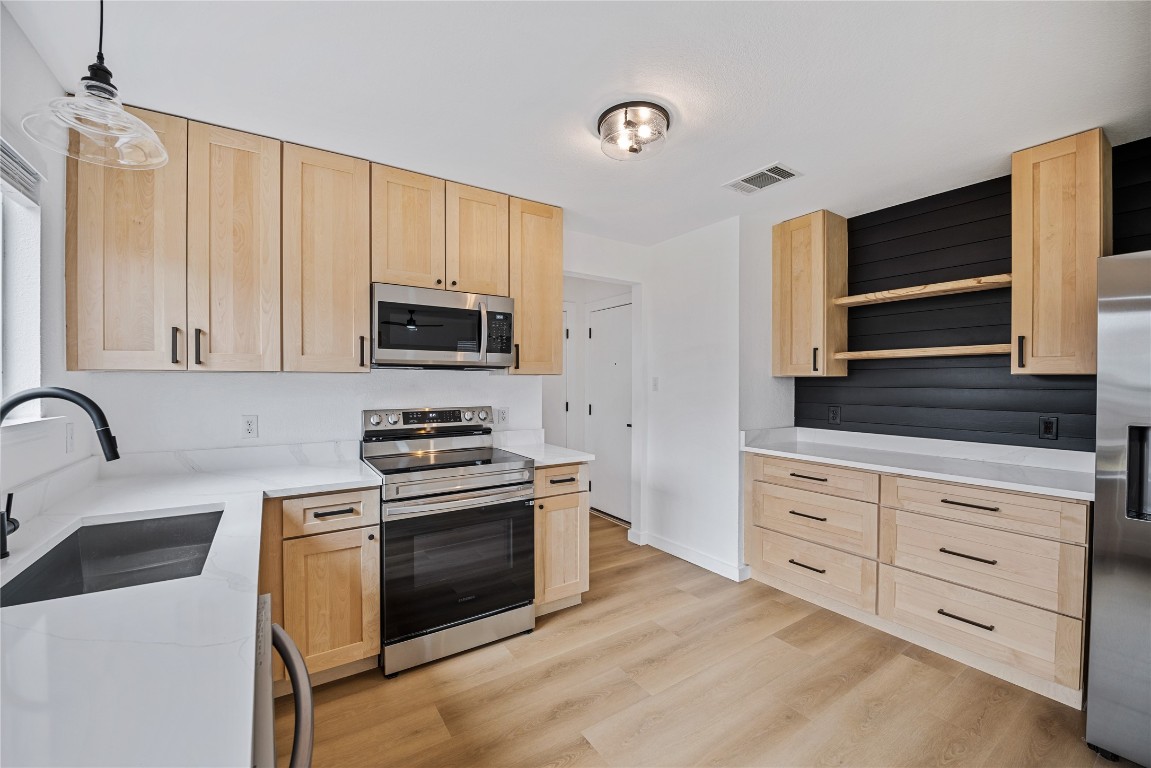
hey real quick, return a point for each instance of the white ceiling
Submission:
(874, 103)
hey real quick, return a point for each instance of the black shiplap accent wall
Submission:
(962, 233)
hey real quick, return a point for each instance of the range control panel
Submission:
(431, 418)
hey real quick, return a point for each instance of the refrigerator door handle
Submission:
(1138, 471)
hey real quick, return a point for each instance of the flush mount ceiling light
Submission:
(92, 125)
(633, 130)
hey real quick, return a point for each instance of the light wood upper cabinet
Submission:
(408, 229)
(477, 240)
(1060, 225)
(126, 253)
(537, 286)
(331, 587)
(326, 261)
(809, 271)
(233, 250)
(562, 533)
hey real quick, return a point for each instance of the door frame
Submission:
(639, 399)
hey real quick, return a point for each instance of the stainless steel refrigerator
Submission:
(1119, 666)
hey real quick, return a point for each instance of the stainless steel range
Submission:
(458, 532)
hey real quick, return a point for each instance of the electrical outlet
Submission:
(249, 427)
(834, 414)
(503, 415)
(1048, 427)
(69, 437)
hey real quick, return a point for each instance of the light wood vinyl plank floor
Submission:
(668, 665)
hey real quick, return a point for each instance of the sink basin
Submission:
(95, 558)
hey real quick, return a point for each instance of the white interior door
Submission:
(609, 409)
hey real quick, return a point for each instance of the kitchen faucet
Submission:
(9, 524)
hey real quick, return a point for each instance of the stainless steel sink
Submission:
(116, 555)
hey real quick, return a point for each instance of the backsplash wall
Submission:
(958, 234)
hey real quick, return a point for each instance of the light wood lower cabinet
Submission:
(320, 562)
(561, 553)
(126, 260)
(332, 596)
(996, 579)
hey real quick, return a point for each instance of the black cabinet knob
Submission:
(453, 282)
(371, 537)
(541, 506)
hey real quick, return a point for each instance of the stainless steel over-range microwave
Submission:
(425, 327)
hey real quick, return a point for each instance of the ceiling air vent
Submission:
(762, 179)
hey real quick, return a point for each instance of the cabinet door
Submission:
(477, 240)
(809, 270)
(332, 596)
(1060, 226)
(407, 228)
(537, 285)
(562, 546)
(326, 261)
(233, 250)
(126, 253)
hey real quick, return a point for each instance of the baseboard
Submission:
(693, 556)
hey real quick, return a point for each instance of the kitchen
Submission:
(269, 435)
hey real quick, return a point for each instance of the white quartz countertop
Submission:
(159, 674)
(1040, 471)
(546, 455)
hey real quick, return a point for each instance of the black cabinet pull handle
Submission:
(969, 506)
(629, 426)
(808, 567)
(815, 358)
(809, 477)
(198, 360)
(1020, 351)
(175, 340)
(563, 480)
(947, 551)
(988, 627)
(334, 512)
(809, 517)
(363, 358)
(517, 356)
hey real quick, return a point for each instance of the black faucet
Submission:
(9, 524)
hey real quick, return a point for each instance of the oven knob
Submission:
(375, 419)
(483, 415)
(393, 419)
(468, 415)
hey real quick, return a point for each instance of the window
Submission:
(19, 278)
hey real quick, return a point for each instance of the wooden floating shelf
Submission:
(970, 285)
(888, 354)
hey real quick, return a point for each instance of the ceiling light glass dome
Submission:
(634, 130)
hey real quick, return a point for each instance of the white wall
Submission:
(763, 401)
(686, 449)
(170, 410)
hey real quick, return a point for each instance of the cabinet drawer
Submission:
(847, 578)
(837, 481)
(1033, 640)
(1036, 515)
(566, 478)
(1043, 573)
(844, 523)
(306, 515)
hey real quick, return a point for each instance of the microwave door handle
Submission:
(483, 331)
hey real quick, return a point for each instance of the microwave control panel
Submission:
(499, 333)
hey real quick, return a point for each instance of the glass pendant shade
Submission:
(633, 131)
(93, 126)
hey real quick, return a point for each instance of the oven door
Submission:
(422, 326)
(444, 568)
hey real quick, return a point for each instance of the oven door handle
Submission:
(453, 502)
(483, 331)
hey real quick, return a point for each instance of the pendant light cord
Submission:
(100, 45)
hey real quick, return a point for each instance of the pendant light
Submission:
(634, 130)
(92, 126)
